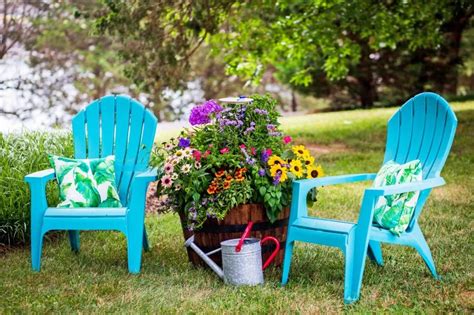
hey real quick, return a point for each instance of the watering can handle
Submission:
(244, 236)
(275, 252)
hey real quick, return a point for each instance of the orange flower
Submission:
(211, 190)
(227, 184)
(240, 171)
(239, 178)
(220, 173)
(228, 178)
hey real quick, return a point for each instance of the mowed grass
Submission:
(96, 279)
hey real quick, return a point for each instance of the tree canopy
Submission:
(315, 46)
(353, 53)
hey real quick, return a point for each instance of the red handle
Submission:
(275, 252)
(238, 248)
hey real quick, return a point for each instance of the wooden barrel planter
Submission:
(213, 232)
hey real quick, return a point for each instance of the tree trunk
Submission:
(365, 78)
(294, 103)
(452, 59)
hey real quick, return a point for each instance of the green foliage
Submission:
(158, 38)
(22, 154)
(359, 53)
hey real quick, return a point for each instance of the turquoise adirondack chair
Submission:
(115, 125)
(423, 129)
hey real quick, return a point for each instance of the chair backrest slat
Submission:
(116, 125)
(107, 118)
(406, 131)
(419, 116)
(122, 123)
(93, 129)
(148, 138)
(79, 134)
(444, 146)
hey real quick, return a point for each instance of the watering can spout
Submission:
(190, 243)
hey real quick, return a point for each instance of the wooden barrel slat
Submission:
(233, 225)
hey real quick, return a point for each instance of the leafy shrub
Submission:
(22, 154)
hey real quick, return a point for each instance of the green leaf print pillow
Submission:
(394, 212)
(86, 182)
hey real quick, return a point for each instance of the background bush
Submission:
(22, 154)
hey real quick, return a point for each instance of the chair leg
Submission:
(375, 252)
(423, 249)
(134, 249)
(287, 261)
(74, 240)
(356, 254)
(36, 248)
(146, 244)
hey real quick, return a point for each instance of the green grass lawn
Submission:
(96, 279)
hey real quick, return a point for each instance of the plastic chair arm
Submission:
(408, 187)
(138, 189)
(39, 203)
(41, 176)
(148, 176)
(333, 180)
(302, 187)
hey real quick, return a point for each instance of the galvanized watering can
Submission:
(241, 258)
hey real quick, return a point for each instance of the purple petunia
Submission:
(201, 114)
(184, 142)
(276, 180)
(250, 129)
(261, 172)
(260, 111)
(250, 161)
(265, 156)
(271, 127)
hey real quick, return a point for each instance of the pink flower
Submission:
(224, 151)
(168, 168)
(166, 181)
(269, 152)
(206, 154)
(287, 139)
(197, 155)
(242, 146)
(211, 145)
(253, 151)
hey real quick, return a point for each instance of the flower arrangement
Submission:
(232, 155)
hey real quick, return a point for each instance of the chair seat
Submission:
(85, 212)
(324, 224)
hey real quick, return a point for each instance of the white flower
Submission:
(174, 162)
(169, 146)
(188, 152)
(174, 176)
(197, 164)
(177, 187)
(186, 168)
(179, 155)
